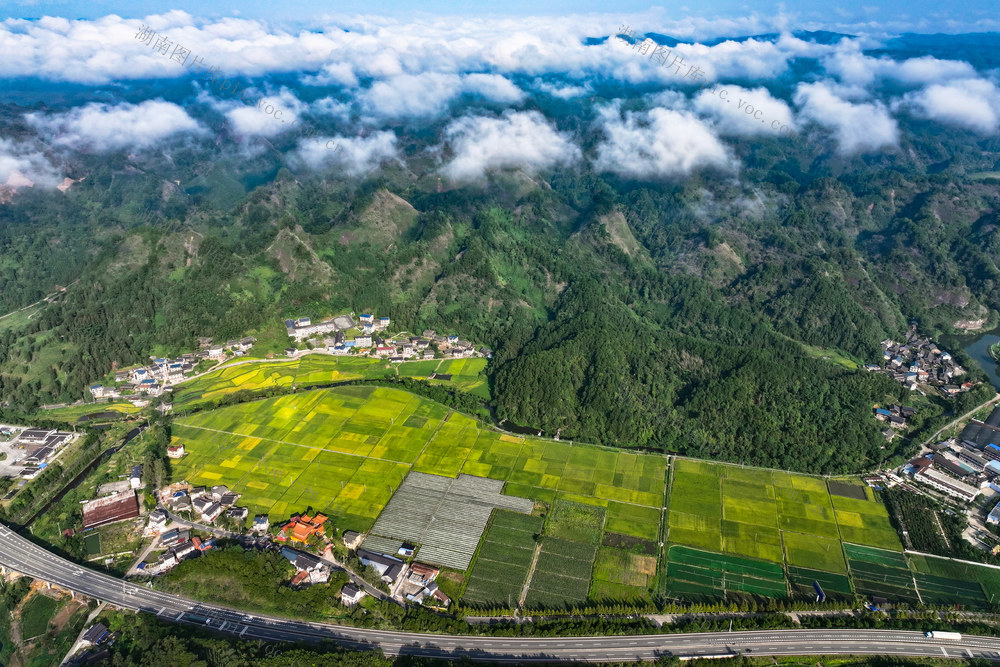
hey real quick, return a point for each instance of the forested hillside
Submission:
(689, 316)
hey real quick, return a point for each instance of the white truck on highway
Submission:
(938, 634)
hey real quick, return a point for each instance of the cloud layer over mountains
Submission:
(496, 94)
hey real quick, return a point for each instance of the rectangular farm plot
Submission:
(502, 563)
(574, 521)
(833, 585)
(880, 572)
(695, 530)
(692, 572)
(810, 519)
(694, 493)
(937, 574)
(749, 540)
(759, 512)
(846, 489)
(874, 531)
(634, 520)
(617, 566)
(865, 522)
(945, 591)
(857, 552)
(445, 516)
(562, 574)
(815, 552)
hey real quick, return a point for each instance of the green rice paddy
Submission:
(317, 369)
(771, 517)
(501, 566)
(728, 529)
(344, 450)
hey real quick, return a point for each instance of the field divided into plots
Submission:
(345, 450)
(944, 581)
(317, 369)
(796, 522)
(501, 566)
(694, 574)
(881, 573)
(563, 572)
(446, 516)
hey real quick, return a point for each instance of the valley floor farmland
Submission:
(345, 450)
(606, 524)
(318, 369)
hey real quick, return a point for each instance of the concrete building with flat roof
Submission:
(949, 485)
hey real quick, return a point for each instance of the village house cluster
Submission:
(919, 361)
(179, 547)
(368, 338)
(414, 581)
(895, 416)
(294, 538)
(161, 374)
(30, 450)
(205, 505)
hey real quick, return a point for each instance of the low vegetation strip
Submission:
(830, 583)
(879, 556)
(318, 369)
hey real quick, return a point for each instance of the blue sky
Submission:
(916, 15)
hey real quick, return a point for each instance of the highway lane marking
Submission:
(179, 616)
(945, 652)
(245, 628)
(224, 624)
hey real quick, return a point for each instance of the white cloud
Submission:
(970, 103)
(405, 95)
(428, 94)
(516, 139)
(347, 50)
(355, 155)
(744, 111)
(854, 68)
(659, 143)
(20, 164)
(493, 87)
(254, 119)
(861, 127)
(564, 92)
(105, 127)
(328, 106)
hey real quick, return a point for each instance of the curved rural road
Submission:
(25, 557)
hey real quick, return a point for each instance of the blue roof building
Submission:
(994, 516)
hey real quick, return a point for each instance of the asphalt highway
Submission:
(21, 555)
